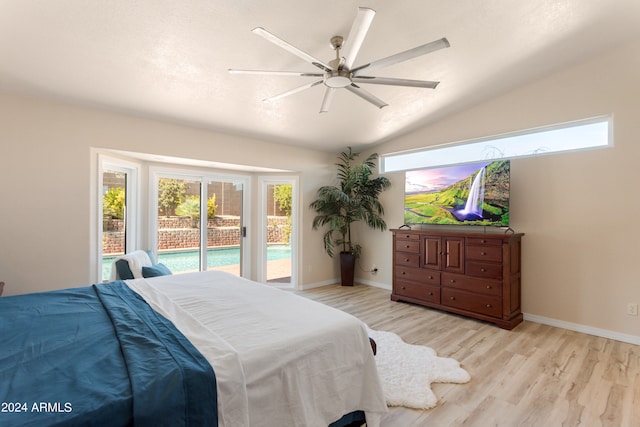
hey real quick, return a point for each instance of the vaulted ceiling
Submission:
(169, 59)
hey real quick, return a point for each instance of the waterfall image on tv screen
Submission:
(471, 194)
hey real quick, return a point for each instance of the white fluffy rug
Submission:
(407, 371)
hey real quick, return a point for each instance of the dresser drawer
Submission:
(484, 241)
(403, 245)
(418, 275)
(484, 269)
(421, 292)
(484, 253)
(407, 236)
(408, 259)
(480, 286)
(482, 304)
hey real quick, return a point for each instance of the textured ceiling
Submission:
(169, 59)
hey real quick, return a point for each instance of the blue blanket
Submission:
(98, 355)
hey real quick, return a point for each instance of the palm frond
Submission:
(356, 199)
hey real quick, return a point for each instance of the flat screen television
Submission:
(469, 194)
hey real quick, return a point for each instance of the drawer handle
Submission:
(483, 269)
(488, 286)
(483, 253)
(406, 260)
(430, 277)
(408, 236)
(489, 305)
(407, 246)
(483, 241)
(452, 298)
(452, 281)
(403, 288)
(403, 273)
(430, 294)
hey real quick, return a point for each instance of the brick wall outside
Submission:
(178, 233)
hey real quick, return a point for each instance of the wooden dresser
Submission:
(472, 274)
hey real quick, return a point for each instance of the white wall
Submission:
(45, 184)
(580, 211)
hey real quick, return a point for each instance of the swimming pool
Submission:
(216, 257)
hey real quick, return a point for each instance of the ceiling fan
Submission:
(339, 72)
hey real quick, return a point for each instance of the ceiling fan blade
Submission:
(326, 100)
(274, 73)
(292, 91)
(395, 82)
(357, 34)
(292, 49)
(403, 56)
(354, 88)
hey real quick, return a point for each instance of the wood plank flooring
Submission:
(535, 375)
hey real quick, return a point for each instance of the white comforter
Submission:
(279, 359)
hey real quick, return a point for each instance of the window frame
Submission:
(157, 172)
(133, 217)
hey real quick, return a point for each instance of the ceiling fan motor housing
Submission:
(338, 77)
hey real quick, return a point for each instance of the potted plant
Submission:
(354, 198)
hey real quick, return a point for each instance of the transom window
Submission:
(580, 135)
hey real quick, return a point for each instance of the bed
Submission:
(205, 348)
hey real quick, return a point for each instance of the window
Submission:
(178, 224)
(118, 221)
(114, 226)
(277, 241)
(580, 135)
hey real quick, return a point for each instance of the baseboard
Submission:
(318, 284)
(385, 286)
(337, 281)
(604, 333)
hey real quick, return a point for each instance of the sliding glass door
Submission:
(225, 230)
(178, 224)
(199, 222)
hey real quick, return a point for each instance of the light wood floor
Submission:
(535, 375)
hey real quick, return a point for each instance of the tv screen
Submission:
(470, 194)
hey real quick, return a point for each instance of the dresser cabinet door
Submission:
(443, 253)
(453, 256)
(432, 256)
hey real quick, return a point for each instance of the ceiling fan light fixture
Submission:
(337, 78)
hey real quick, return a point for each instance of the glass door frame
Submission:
(133, 216)
(262, 238)
(204, 177)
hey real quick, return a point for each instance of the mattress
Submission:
(279, 359)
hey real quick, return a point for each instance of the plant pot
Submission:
(347, 268)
